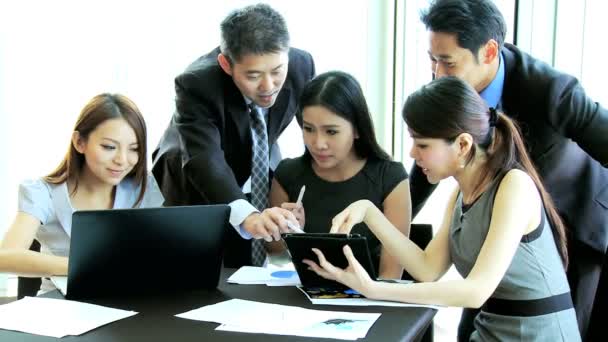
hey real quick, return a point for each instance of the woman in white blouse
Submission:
(105, 168)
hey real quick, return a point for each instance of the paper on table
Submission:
(349, 326)
(255, 317)
(362, 302)
(56, 317)
(249, 275)
(61, 283)
(370, 302)
(248, 313)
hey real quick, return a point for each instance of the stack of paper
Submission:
(249, 275)
(263, 318)
(351, 298)
(56, 317)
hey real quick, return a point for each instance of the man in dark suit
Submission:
(565, 132)
(206, 154)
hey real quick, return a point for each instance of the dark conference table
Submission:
(156, 321)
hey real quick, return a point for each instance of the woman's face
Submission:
(328, 137)
(111, 151)
(437, 157)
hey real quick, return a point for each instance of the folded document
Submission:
(333, 296)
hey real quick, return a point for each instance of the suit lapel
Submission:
(275, 114)
(507, 92)
(237, 109)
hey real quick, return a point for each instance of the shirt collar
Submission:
(62, 205)
(125, 196)
(126, 193)
(493, 92)
(248, 101)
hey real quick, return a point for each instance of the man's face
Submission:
(260, 77)
(449, 59)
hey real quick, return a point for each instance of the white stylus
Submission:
(301, 196)
(294, 226)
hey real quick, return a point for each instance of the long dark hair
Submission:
(99, 109)
(448, 107)
(341, 94)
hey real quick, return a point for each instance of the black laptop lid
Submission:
(132, 251)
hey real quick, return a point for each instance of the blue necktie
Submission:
(259, 175)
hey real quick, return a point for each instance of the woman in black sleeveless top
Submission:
(342, 163)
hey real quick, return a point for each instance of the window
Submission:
(579, 44)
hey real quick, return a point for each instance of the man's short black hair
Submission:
(474, 22)
(256, 29)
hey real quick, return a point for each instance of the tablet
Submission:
(300, 247)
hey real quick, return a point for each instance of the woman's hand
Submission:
(298, 212)
(354, 276)
(353, 214)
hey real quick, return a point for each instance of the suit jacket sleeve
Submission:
(420, 189)
(205, 164)
(578, 117)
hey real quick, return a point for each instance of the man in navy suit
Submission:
(565, 132)
(205, 155)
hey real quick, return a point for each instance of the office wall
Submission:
(56, 55)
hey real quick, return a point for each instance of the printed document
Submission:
(264, 318)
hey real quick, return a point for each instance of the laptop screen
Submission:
(131, 251)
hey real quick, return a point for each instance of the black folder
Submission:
(300, 247)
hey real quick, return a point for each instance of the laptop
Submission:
(148, 250)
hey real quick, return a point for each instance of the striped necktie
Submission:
(259, 175)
